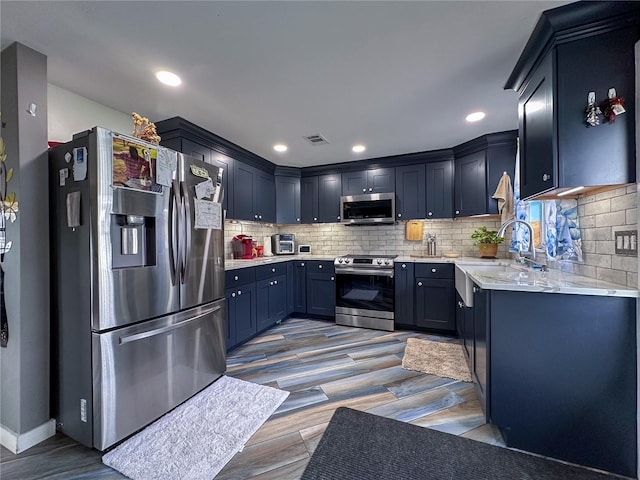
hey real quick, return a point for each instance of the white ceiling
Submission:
(397, 76)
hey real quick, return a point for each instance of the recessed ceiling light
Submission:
(475, 116)
(280, 147)
(358, 148)
(168, 78)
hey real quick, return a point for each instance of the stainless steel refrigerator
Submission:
(137, 283)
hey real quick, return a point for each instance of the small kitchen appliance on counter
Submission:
(365, 291)
(304, 249)
(283, 244)
(242, 247)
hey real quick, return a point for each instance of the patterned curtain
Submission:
(556, 221)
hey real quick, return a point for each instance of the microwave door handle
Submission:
(365, 271)
(174, 232)
(158, 331)
(187, 230)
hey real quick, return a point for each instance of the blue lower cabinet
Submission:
(241, 314)
(404, 299)
(271, 301)
(298, 286)
(563, 376)
(435, 303)
(321, 288)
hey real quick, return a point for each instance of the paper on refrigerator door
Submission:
(205, 189)
(166, 164)
(208, 214)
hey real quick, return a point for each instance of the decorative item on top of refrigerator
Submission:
(138, 267)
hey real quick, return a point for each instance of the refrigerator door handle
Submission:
(186, 249)
(174, 235)
(159, 331)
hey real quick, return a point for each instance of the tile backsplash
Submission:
(601, 215)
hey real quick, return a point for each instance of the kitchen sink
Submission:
(464, 285)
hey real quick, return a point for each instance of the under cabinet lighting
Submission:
(568, 192)
(168, 78)
(358, 148)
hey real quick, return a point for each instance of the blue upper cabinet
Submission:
(287, 199)
(309, 200)
(329, 188)
(254, 194)
(439, 181)
(410, 192)
(478, 166)
(376, 180)
(576, 49)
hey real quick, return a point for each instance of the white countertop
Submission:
(522, 279)
(254, 262)
(512, 277)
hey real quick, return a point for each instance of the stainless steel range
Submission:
(364, 291)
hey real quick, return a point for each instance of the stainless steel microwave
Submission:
(368, 209)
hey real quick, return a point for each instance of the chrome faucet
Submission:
(503, 228)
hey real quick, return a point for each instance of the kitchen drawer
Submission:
(239, 276)
(272, 270)
(320, 266)
(434, 270)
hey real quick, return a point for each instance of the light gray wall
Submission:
(70, 113)
(24, 364)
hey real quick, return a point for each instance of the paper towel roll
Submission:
(267, 247)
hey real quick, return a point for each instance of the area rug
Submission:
(363, 446)
(197, 439)
(438, 358)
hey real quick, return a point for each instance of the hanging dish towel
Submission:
(504, 195)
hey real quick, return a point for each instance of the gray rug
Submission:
(197, 439)
(445, 359)
(362, 446)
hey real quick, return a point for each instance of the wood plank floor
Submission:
(324, 366)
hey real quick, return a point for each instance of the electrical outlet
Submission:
(627, 243)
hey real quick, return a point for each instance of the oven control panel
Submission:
(368, 262)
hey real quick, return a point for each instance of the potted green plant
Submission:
(487, 241)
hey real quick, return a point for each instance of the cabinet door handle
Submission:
(255, 216)
(319, 266)
(404, 265)
(302, 264)
(315, 219)
(233, 295)
(546, 177)
(270, 283)
(457, 212)
(338, 217)
(273, 270)
(260, 217)
(431, 213)
(333, 278)
(419, 284)
(364, 190)
(433, 270)
(239, 292)
(370, 189)
(460, 304)
(399, 215)
(275, 282)
(235, 277)
(297, 220)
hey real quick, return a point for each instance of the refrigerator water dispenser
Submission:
(132, 241)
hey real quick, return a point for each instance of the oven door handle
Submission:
(364, 271)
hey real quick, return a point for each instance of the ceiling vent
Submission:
(316, 140)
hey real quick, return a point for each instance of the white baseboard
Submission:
(19, 443)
